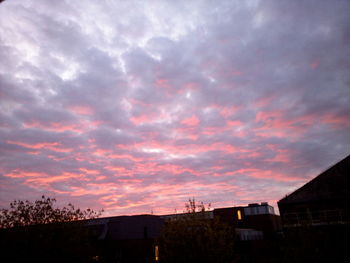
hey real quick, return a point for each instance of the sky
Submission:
(136, 106)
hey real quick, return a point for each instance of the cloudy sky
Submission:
(136, 106)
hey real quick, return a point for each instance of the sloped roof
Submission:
(334, 183)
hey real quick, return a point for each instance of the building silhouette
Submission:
(255, 221)
(127, 239)
(315, 217)
(325, 200)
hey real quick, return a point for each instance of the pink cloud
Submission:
(315, 64)
(170, 148)
(125, 156)
(54, 146)
(48, 179)
(89, 171)
(23, 174)
(119, 170)
(188, 132)
(265, 100)
(91, 189)
(279, 124)
(191, 121)
(282, 156)
(162, 83)
(336, 121)
(82, 110)
(228, 111)
(43, 180)
(143, 119)
(55, 126)
(211, 131)
(191, 86)
(231, 126)
(267, 174)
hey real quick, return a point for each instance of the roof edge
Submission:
(285, 199)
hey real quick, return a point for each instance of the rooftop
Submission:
(334, 183)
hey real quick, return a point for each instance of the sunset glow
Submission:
(136, 107)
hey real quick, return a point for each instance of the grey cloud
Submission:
(109, 138)
(174, 60)
(44, 115)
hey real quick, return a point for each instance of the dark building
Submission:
(255, 221)
(315, 217)
(325, 200)
(204, 214)
(127, 239)
(127, 227)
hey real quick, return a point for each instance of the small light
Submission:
(239, 215)
(156, 253)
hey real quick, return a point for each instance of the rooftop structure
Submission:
(323, 200)
(255, 209)
(258, 217)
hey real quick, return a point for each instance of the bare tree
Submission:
(195, 237)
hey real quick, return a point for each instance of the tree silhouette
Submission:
(25, 213)
(195, 237)
(40, 232)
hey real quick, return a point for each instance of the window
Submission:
(239, 215)
(156, 253)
